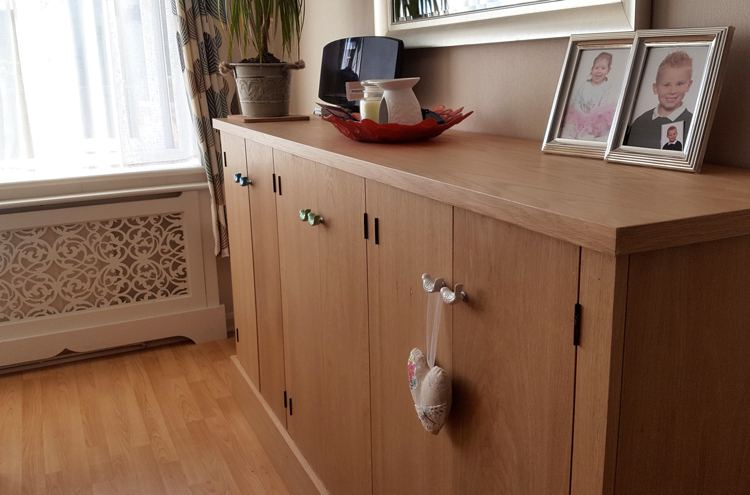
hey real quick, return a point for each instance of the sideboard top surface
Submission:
(617, 209)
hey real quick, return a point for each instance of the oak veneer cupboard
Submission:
(243, 276)
(655, 399)
(513, 358)
(313, 351)
(267, 276)
(397, 323)
(324, 301)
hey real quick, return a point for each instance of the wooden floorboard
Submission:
(157, 421)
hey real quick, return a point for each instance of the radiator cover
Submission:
(94, 277)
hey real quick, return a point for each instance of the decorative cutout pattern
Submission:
(46, 271)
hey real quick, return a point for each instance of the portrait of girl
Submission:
(593, 99)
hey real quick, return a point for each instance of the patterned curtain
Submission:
(200, 37)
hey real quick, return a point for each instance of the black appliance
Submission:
(357, 59)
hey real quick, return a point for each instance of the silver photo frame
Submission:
(559, 138)
(632, 123)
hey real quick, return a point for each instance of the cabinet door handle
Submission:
(314, 219)
(430, 285)
(453, 296)
(243, 181)
(310, 217)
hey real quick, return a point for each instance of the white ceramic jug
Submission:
(403, 106)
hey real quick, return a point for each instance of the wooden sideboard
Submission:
(649, 394)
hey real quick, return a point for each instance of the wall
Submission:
(326, 21)
(512, 85)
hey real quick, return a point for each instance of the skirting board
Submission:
(292, 467)
(201, 325)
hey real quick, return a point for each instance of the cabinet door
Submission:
(415, 237)
(301, 306)
(267, 278)
(324, 294)
(241, 254)
(346, 364)
(513, 359)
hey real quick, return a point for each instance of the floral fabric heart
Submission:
(431, 391)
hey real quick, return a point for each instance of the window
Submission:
(88, 87)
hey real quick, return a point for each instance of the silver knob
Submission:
(430, 285)
(453, 296)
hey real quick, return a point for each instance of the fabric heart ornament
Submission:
(431, 391)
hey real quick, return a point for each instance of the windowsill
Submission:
(147, 178)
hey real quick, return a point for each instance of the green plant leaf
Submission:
(251, 22)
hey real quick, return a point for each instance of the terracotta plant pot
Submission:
(263, 89)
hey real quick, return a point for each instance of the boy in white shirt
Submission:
(673, 144)
(673, 80)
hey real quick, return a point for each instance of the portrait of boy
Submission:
(674, 78)
(672, 143)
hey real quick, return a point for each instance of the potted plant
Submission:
(263, 81)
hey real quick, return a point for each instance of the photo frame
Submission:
(591, 87)
(672, 90)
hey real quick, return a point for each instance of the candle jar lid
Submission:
(372, 90)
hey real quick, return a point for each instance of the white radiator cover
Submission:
(94, 277)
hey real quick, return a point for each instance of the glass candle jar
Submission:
(369, 106)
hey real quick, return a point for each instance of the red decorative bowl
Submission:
(368, 131)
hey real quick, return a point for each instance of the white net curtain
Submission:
(88, 86)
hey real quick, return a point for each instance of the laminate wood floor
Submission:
(157, 421)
